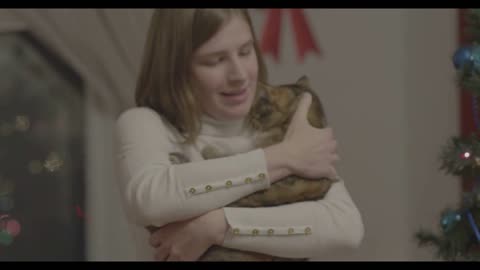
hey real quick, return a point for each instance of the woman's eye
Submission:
(246, 51)
(214, 61)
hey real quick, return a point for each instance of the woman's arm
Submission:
(299, 230)
(155, 192)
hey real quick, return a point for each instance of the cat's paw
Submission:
(210, 152)
(178, 158)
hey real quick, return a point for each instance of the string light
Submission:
(53, 162)
(22, 123)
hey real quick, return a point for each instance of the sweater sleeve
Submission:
(298, 230)
(157, 192)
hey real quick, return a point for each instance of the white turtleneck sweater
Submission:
(157, 192)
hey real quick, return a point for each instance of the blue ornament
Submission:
(474, 226)
(462, 56)
(6, 203)
(449, 220)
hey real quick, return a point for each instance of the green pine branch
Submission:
(472, 25)
(453, 160)
(468, 78)
(457, 239)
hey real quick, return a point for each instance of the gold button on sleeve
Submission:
(228, 183)
(208, 188)
(308, 230)
(248, 180)
(270, 232)
(236, 231)
(192, 191)
(261, 176)
(255, 232)
(290, 231)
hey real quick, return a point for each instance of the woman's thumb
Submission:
(303, 107)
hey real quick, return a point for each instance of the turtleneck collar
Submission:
(220, 128)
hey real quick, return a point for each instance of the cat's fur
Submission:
(270, 116)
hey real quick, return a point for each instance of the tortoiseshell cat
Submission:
(270, 117)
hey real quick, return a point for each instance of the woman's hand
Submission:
(188, 240)
(310, 151)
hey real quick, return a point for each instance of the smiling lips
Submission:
(235, 97)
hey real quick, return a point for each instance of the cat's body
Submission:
(270, 116)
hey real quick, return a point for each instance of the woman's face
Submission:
(225, 70)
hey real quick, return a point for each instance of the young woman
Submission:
(198, 81)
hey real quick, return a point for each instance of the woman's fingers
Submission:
(301, 113)
(161, 253)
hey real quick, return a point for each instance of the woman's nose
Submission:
(237, 71)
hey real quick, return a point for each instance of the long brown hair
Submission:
(164, 79)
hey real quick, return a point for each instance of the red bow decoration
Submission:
(271, 36)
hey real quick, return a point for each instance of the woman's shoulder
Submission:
(145, 123)
(138, 113)
(142, 118)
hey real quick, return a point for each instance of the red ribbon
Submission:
(271, 37)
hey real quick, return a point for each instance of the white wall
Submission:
(432, 109)
(386, 80)
(108, 236)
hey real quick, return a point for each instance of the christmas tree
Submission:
(41, 137)
(459, 237)
(28, 151)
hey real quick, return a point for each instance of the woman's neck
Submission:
(222, 128)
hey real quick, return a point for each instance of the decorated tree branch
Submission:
(459, 235)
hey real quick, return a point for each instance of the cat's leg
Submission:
(306, 189)
(210, 152)
(289, 190)
(277, 194)
(217, 254)
(178, 158)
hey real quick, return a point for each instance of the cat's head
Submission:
(275, 105)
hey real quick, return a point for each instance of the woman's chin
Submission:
(237, 114)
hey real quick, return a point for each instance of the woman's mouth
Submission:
(235, 97)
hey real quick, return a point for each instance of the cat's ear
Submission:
(304, 81)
